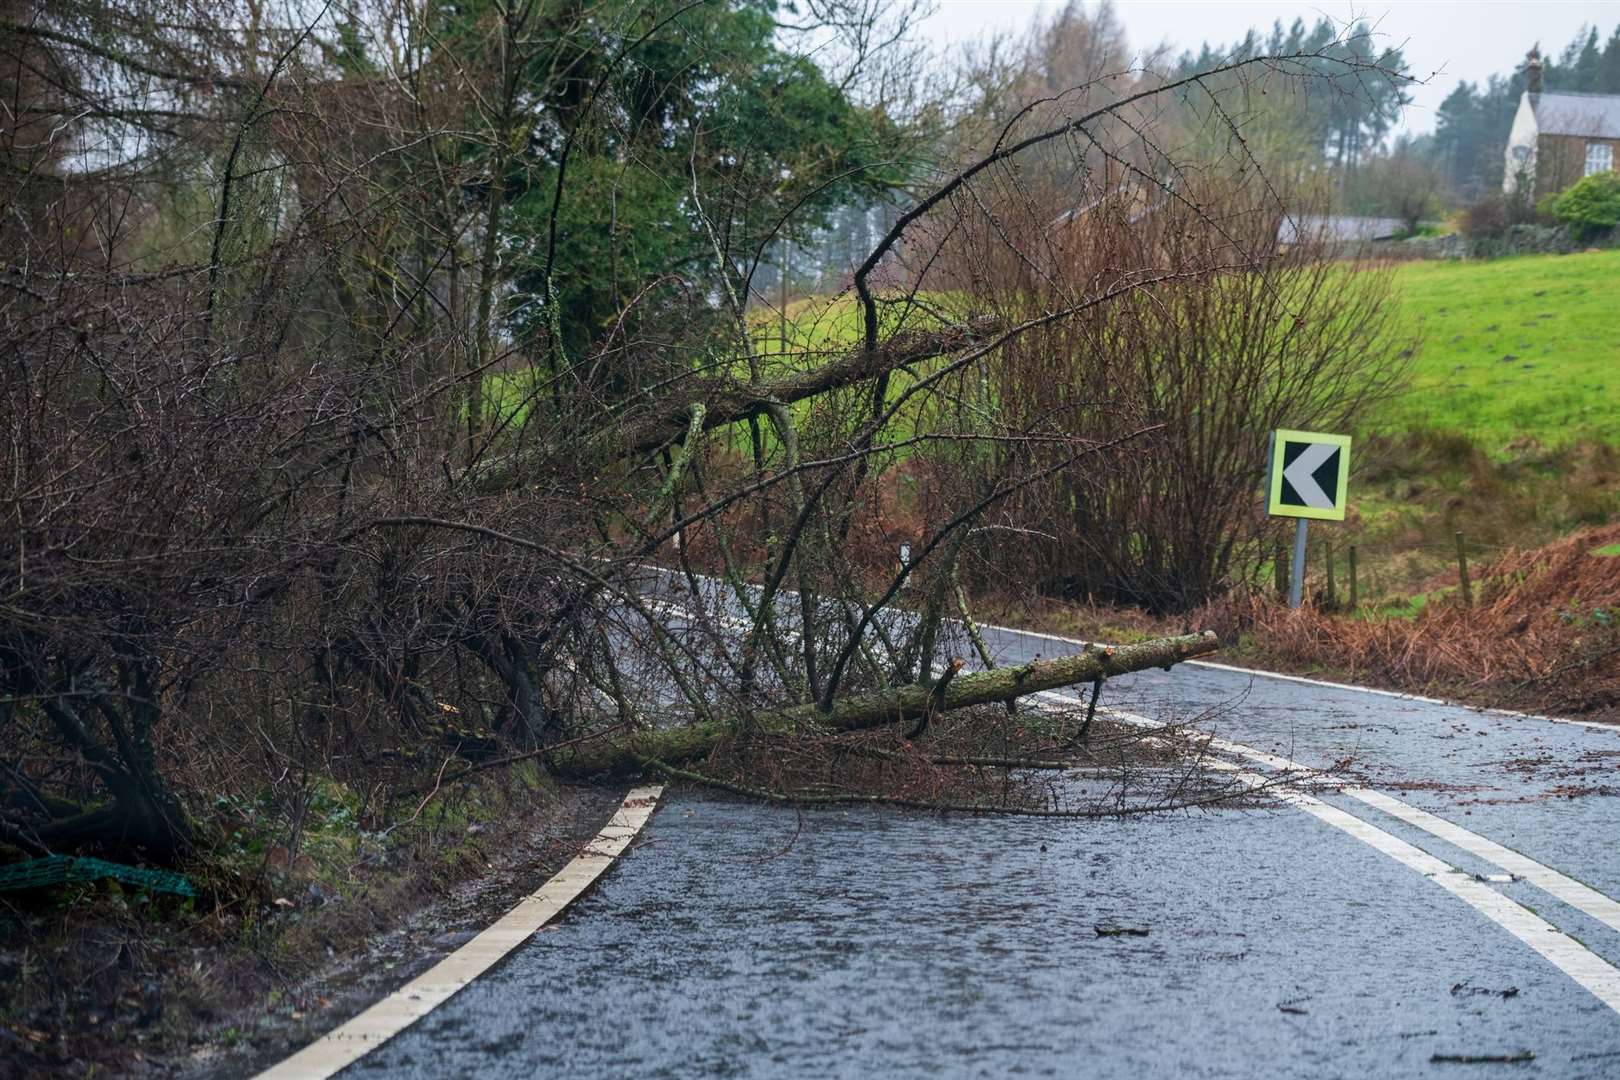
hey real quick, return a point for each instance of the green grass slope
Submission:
(1513, 348)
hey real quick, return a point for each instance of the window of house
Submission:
(1599, 158)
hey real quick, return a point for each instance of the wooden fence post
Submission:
(1355, 591)
(1332, 592)
(1462, 572)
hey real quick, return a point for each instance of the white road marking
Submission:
(1581, 897)
(1591, 971)
(344, 1045)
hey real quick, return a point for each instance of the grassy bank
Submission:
(1513, 349)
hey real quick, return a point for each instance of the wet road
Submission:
(741, 940)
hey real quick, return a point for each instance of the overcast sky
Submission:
(1444, 40)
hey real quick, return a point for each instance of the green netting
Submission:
(54, 869)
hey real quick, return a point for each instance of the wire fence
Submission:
(1348, 572)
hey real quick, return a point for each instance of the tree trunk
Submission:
(629, 754)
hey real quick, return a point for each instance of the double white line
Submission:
(1588, 969)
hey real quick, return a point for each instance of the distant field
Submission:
(1527, 346)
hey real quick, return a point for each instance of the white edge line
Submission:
(1306, 680)
(1403, 696)
(346, 1044)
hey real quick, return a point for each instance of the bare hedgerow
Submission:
(1205, 366)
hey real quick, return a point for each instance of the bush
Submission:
(1590, 208)
(1493, 215)
(1188, 383)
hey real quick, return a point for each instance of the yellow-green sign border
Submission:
(1274, 503)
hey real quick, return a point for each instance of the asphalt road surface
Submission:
(1448, 914)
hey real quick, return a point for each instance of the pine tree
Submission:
(1588, 71)
(1609, 68)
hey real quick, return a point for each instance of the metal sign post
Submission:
(1310, 473)
(1296, 580)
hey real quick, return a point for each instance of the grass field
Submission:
(1517, 348)
(1513, 348)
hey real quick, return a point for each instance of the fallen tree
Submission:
(263, 434)
(627, 754)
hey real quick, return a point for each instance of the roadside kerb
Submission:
(346, 1044)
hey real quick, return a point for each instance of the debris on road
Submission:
(1464, 988)
(1485, 1059)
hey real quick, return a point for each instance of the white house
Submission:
(1558, 138)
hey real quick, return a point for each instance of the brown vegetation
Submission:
(1543, 633)
(1194, 374)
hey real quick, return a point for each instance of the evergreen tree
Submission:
(1587, 73)
(1347, 123)
(1609, 68)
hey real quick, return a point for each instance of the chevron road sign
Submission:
(1309, 475)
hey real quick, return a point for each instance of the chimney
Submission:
(1532, 70)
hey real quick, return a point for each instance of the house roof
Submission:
(1337, 228)
(1591, 115)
